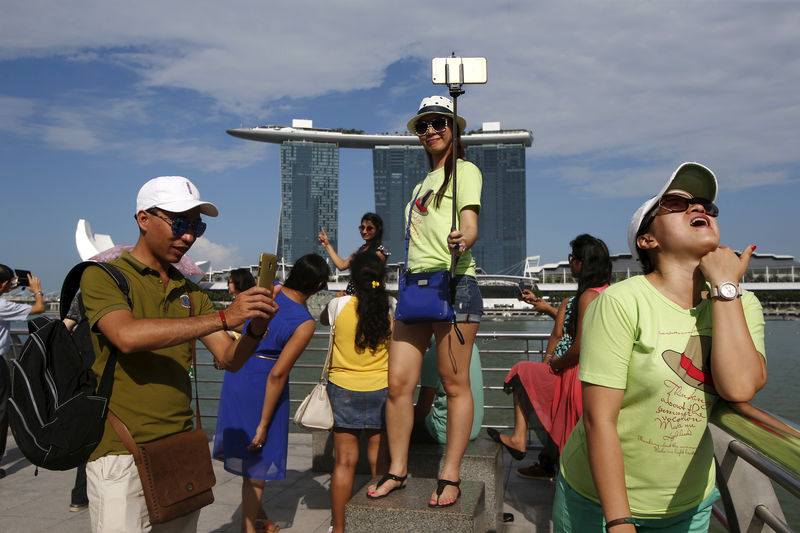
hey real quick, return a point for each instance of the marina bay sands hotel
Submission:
(310, 186)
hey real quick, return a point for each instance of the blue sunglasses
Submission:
(182, 225)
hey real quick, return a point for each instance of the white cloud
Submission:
(652, 83)
(219, 255)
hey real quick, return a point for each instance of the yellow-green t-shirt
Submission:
(637, 340)
(152, 391)
(430, 225)
(350, 369)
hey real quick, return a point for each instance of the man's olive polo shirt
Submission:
(152, 390)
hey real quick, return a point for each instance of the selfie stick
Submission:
(455, 92)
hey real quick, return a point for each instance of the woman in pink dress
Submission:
(551, 388)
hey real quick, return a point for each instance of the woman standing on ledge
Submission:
(657, 352)
(431, 247)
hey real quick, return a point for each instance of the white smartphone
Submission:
(447, 70)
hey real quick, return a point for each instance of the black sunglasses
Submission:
(674, 203)
(439, 124)
(368, 229)
(182, 225)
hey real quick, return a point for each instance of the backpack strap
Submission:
(70, 288)
(72, 283)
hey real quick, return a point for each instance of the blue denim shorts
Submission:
(469, 303)
(357, 409)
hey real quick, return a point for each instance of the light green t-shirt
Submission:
(428, 251)
(152, 391)
(636, 339)
(436, 420)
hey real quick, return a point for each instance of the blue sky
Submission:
(98, 97)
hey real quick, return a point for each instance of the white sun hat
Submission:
(175, 194)
(440, 105)
(693, 178)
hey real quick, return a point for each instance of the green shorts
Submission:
(574, 513)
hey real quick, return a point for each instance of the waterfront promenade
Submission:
(300, 503)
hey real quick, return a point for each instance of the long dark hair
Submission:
(377, 221)
(448, 164)
(242, 279)
(309, 274)
(595, 271)
(374, 326)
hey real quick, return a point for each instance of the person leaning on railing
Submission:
(657, 352)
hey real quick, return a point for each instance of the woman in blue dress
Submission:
(253, 424)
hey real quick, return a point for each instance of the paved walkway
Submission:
(299, 503)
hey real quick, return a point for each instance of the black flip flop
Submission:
(386, 477)
(440, 485)
(515, 453)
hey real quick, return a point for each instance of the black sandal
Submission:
(515, 453)
(440, 485)
(386, 477)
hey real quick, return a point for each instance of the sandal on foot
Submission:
(440, 486)
(386, 477)
(515, 453)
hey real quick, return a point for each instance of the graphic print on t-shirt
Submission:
(693, 365)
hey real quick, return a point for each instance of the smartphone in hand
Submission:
(22, 277)
(267, 266)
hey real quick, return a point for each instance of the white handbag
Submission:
(315, 413)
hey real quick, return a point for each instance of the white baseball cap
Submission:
(175, 194)
(440, 105)
(693, 178)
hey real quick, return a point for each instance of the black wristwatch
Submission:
(253, 335)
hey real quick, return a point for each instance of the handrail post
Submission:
(742, 487)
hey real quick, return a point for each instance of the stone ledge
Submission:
(483, 461)
(407, 510)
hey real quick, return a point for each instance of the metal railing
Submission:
(525, 347)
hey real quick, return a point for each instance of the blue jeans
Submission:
(468, 305)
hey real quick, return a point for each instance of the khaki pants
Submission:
(116, 499)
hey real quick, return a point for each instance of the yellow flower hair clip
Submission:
(376, 284)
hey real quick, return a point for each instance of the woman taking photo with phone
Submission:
(252, 434)
(551, 388)
(357, 382)
(371, 230)
(657, 352)
(432, 244)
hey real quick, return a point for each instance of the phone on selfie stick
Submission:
(267, 266)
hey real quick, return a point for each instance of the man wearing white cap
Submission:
(152, 336)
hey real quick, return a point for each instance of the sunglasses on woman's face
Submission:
(366, 229)
(182, 225)
(675, 203)
(439, 124)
